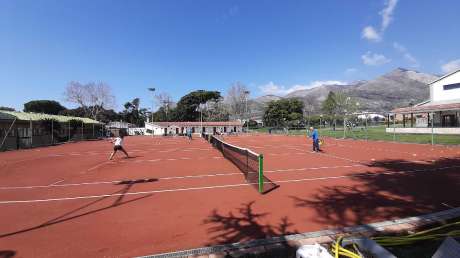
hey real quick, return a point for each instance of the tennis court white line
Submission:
(103, 153)
(329, 155)
(57, 182)
(176, 177)
(219, 186)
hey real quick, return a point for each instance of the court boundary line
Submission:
(219, 186)
(175, 177)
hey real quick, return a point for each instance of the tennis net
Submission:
(251, 164)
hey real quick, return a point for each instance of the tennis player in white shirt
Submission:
(118, 145)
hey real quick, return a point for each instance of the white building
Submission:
(441, 111)
(371, 116)
(178, 128)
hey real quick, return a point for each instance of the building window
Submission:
(452, 86)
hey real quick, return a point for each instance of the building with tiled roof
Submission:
(440, 114)
(177, 128)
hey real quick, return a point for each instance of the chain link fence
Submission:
(29, 134)
(353, 127)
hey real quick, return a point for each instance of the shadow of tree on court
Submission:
(244, 225)
(137, 181)
(7, 254)
(74, 214)
(389, 189)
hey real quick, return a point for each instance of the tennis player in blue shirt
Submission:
(315, 138)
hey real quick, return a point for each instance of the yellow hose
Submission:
(419, 236)
(429, 234)
(338, 250)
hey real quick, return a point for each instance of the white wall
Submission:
(438, 94)
(136, 131)
(438, 130)
(208, 129)
(156, 129)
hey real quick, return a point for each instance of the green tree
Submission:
(284, 112)
(105, 115)
(162, 116)
(6, 108)
(329, 105)
(44, 106)
(133, 114)
(187, 107)
(339, 105)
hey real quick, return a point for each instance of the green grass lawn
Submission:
(378, 133)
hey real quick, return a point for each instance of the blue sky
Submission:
(179, 46)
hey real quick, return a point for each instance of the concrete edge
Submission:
(323, 236)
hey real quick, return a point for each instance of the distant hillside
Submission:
(319, 93)
(258, 105)
(398, 88)
(266, 98)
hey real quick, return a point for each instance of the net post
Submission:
(261, 173)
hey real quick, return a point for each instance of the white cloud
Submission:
(407, 56)
(451, 66)
(280, 90)
(370, 33)
(374, 59)
(387, 13)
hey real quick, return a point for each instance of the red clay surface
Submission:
(69, 201)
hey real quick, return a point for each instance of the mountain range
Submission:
(398, 88)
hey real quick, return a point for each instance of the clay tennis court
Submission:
(69, 201)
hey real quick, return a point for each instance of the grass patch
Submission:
(378, 133)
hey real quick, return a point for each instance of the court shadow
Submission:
(74, 214)
(244, 225)
(134, 156)
(137, 181)
(7, 254)
(389, 189)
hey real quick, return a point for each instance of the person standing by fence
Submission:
(315, 138)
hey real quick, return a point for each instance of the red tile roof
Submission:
(427, 108)
(185, 124)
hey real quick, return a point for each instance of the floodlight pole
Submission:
(432, 128)
(345, 118)
(246, 94)
(166, 108)
(366, 128)
(394, 127)
(153, 106)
